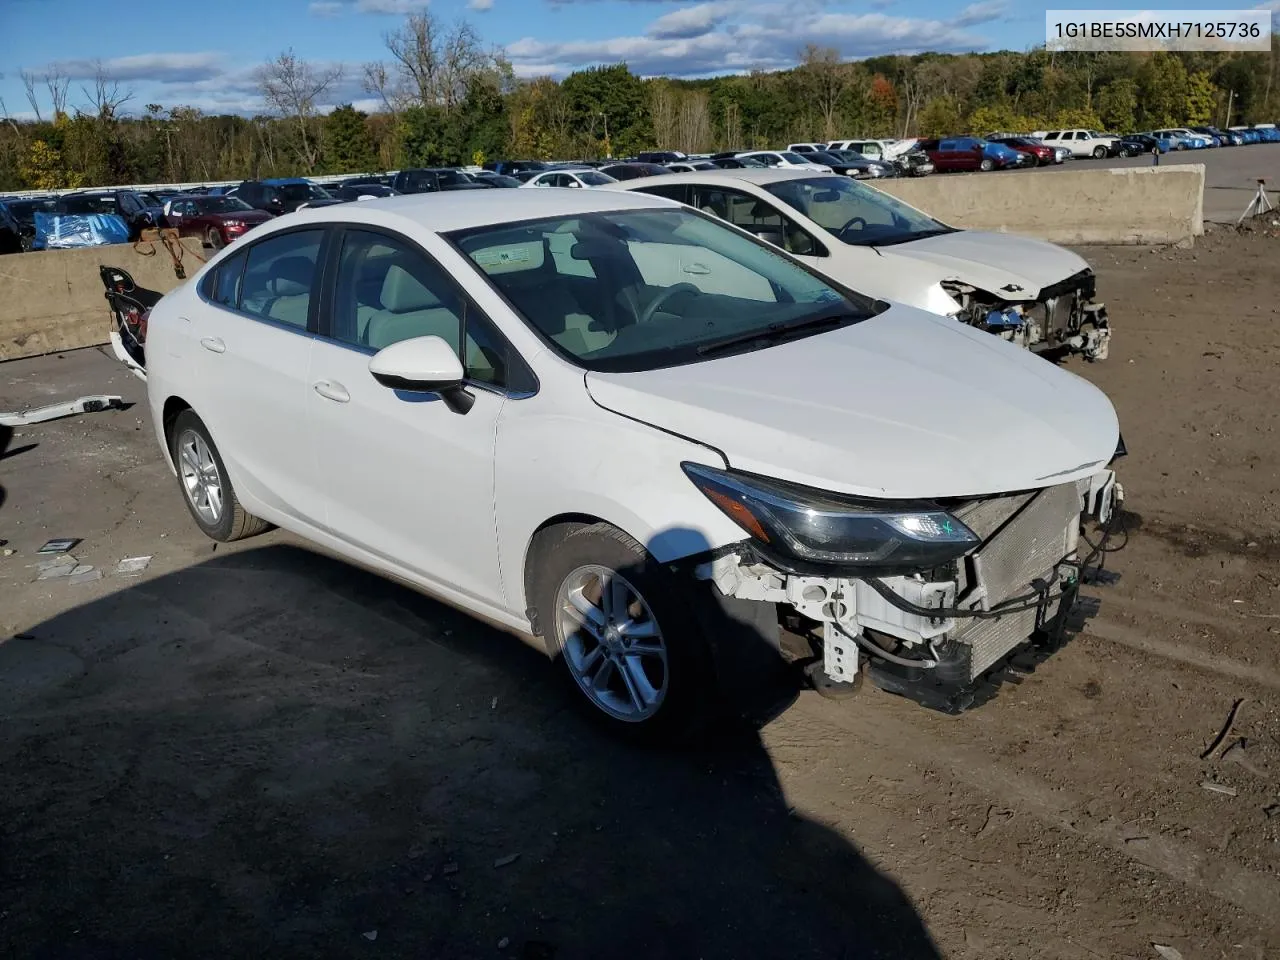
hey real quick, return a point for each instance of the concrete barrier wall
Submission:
(53, 300)
(1125, 205)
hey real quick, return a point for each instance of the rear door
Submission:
(253, 340)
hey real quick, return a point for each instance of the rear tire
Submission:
(624, 631)
(206, 486)
(1099, 153)
(214, 239)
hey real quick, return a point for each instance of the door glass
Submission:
(759, 217)
(278, 277)
(226, 284)
(388, 291)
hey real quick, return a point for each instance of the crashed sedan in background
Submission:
(1032, 293)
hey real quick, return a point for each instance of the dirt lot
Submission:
(261, 752)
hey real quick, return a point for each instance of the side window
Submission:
(226, 282)
(388, 290)
(758, 217)
(672, 191)
(871, 150)
(948, 145)
(278, 277)
(1053, 135)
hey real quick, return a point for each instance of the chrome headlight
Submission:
(817, 527)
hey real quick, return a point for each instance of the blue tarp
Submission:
(58, 231)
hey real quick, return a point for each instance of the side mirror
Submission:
(423, 365)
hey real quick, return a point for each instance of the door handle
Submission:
(332, 390)
(213, 344)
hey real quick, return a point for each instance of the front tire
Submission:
(986, 165)
(206, 486)
(214, 239)
(624, 631)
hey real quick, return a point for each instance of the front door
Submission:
(409, 480)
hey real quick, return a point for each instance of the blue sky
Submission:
(204, 54)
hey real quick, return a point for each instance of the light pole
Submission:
(1231, 95)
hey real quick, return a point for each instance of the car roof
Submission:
(757, 176)
(448, 211)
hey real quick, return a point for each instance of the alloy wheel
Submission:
(612, 643)
(201, 479)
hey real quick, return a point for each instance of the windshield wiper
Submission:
(777, 332)
(914, 235)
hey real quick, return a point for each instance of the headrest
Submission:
(403, 293)
(291, 277)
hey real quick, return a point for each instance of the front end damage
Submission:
(1061, 318)
(948, 636)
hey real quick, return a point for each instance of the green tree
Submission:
(939, 117)
(614, 95)
(421, 134)
(1117, 105)
(1162, 91)
(1201, 97)
(348, 148)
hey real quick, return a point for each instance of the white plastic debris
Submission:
(84, 574)
(370, 935)
(1168, 953)
(132, 565)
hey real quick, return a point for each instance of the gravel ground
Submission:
(258, 751)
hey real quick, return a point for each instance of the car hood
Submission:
(992, 261)
(904, 405)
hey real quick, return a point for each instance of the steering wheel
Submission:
(663, 297)
(857, 220)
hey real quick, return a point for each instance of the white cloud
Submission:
(689, 21)
(325, 8)
(157, 67)
(480, 5)
(392, 6)
(982, 12)
(759, 36)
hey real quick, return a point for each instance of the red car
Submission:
(218, 221)
(1044, 155)
(957, 153)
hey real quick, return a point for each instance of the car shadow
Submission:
(6, 438)
(274, 754)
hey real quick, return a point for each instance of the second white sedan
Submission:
(585, 177)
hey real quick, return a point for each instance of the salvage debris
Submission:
(507, 860)
(58, 546)
(64, 566)
(1168, 953)
(132, 565)
(1221, 788)
(55, 411)
(84, 574)
(1225, 731)
(370, 935)
(1236, 754)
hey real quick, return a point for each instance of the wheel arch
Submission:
(173, 406)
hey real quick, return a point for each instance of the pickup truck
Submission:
(1081, 143)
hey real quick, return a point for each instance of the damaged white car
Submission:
(1032, 293)
(663, 452)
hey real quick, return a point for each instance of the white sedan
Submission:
(638, 438)
(1033, 293)
(785, 160)
(585, 177)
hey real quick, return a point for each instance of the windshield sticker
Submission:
(501, 256)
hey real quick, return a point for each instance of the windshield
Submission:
(26, 209)
(857, 215)
(594, 178)
(94, 203)
(221, 205)
(301, 192)
(641, 289)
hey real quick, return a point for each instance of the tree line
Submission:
(445, 98)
